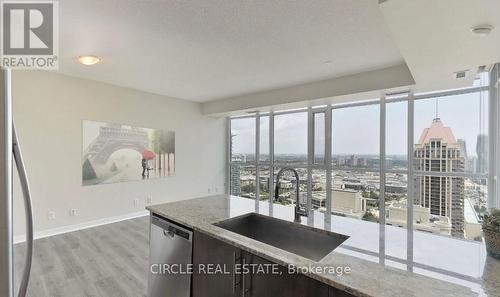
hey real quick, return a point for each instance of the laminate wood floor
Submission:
(109, 260)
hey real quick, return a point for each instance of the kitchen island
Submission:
(364, 278)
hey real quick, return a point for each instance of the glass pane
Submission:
(319, 138)
(264, 182)
(396, 215)
(355, 207)
(243, 140)
(290, 138)
(452, 137)
(451, 133)
(264, 139)
(452, 202)
(242, 180)
(396, 138)
(355, 194)
(242, 169)
(235, 179)
(448, 236)
(355, 137)
(319, 189)
(287, 187)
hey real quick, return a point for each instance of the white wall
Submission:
(48, 112)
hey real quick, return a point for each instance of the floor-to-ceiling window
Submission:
(290, 150)
(450, 178)
(402, 174)
(243, 165)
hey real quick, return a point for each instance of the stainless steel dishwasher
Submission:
(170, 253)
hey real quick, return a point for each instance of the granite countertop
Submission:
(366, 278)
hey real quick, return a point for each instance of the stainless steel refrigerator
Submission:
(10, 154)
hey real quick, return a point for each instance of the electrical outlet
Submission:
(136, 202)
(73, 212)
(52, 215)
(149, 199)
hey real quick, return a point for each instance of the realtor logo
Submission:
(29, 35)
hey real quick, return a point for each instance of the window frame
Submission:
(410, 98)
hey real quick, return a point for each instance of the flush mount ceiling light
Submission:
(482, 30)
(89, 60)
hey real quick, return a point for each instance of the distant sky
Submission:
(356, 129)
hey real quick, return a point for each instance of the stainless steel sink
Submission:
(302, 240)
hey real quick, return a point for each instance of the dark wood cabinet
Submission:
(229, 283)
(208, 252)
(281, 283)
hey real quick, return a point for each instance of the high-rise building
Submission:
(463, 147)
(352, 161)
(482, 153)
(235, 180)
(438, 151)
(468, 161)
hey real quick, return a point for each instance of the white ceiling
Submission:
(436, 41)
(203, 50)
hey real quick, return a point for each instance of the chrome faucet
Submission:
(299, 211)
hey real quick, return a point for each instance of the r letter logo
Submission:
(29, 35)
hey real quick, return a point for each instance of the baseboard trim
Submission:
(81, 226)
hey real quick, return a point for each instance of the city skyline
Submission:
(440, 201)
(291, 129)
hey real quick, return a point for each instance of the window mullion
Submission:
(310, 160)
(493, 127)
(229, 156)
(257, 158)
(382, 182)
(409, 183)
(328, 164)
(271, 162)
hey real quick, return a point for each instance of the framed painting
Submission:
(114, 153)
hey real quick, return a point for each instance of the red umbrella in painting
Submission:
(148, 155)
